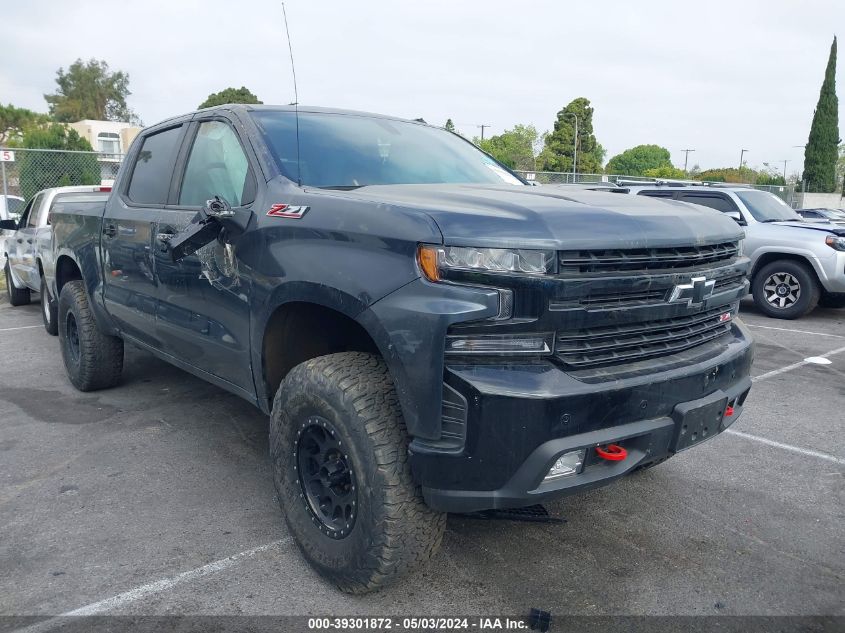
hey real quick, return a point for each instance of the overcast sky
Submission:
(714, 76)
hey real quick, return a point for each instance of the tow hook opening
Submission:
(611, 452)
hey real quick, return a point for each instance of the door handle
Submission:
(29, 241)
(19, 240)
(110, 230)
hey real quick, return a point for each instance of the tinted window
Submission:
(657, 194)
(25, 214)
(154, 167)
(766, 207)
(348, 150)
(714, 201)
(217, 166)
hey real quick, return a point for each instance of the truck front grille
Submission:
(645, 259)
(602, 346)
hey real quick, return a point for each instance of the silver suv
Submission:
(795, 264)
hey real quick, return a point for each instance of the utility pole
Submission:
(686, 158)
(784, 170)
(482, 126)
(741, 154)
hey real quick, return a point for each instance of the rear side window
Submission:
(720, 203)
(657, 194)
(153, 170)
(32, 218)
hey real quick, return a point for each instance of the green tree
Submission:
(229, 95)
(821, 151)
(840, 167)
(449, 125)
(666, 171)
(635, 161)
(15, 121)
(514, 148)
(88, 90)
(729, 174)
(558, 150)
(39, 170)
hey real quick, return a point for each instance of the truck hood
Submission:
(825, 227)
(549, 217)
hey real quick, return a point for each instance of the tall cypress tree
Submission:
(821, 151)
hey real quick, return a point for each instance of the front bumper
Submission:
(521, 417)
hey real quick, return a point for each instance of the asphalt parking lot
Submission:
(156, 498)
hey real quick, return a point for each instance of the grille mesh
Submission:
(595, 347)
(645, 259)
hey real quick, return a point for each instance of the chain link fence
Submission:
(784, 192)
(25, 172)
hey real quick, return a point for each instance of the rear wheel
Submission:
(17, 296)
(340, 462)
(49, 310)
(785, 289)
(93, 360)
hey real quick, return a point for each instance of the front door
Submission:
(203, 311)
(129, 236)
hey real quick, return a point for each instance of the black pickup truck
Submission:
(428, 333)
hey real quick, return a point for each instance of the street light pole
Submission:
(784, 171)
(575, 148)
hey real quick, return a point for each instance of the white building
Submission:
(111, 139)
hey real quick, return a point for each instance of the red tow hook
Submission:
(611, 452)
(729, 411)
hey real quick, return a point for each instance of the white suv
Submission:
(794, 264)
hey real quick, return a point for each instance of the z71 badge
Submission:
(287, 211)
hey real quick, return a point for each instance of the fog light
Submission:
(567, 464)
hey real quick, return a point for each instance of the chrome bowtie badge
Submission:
(694, 293)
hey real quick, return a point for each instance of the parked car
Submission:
(10, 207)
(835, 216)
(27, 248)
(795, 264)
(428, 333)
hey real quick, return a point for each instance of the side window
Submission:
(153, 169)
(32, 217)
(657, 194)
(714, 201)
(217, 166)
(25, 215)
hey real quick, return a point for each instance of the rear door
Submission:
(129, 233)
(203, 313)
(23, 260)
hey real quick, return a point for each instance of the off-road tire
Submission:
(95, 360)
(17, 296)
(832, 300)
(49, 310)
(809, 288)
(393, 531)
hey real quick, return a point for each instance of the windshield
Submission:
(766, 207)
(349, 150)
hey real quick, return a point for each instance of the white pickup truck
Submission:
(27, 247)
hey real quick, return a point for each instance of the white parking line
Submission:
(157, 587)
(788, 447)
(807, 361)
(23, 327)
(786, 329)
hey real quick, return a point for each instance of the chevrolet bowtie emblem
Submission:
(694, 293)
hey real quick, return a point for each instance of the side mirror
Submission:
(8, 225)
(736, 216)
(216, 216)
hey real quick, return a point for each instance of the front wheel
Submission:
(49, 310)
(93, 360)
(340, 463)
(785, 289)
(17, 296)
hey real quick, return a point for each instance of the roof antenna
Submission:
(295, 96)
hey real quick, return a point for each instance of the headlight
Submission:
(434, 259)
(835, 242)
